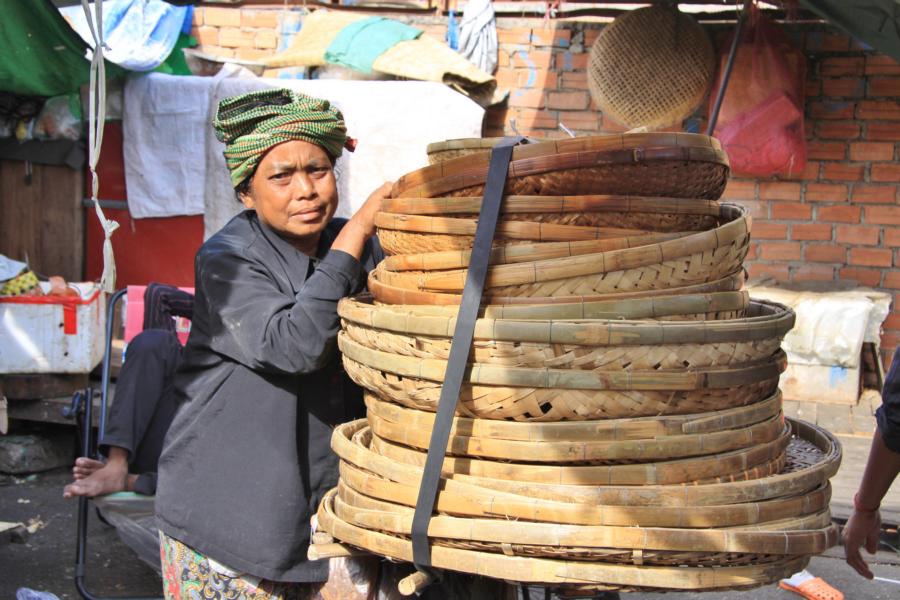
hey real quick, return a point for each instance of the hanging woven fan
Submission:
(651, 67)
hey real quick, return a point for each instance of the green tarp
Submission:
(40, 55)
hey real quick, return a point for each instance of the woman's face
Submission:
(294, 192)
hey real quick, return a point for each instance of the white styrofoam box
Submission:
(53, 334)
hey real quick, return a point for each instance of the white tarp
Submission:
(831, 326)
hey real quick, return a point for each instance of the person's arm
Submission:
(882, 467)
(255, 324)
(864, 525)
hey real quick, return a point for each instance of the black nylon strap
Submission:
(459, 350)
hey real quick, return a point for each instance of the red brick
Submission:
(779, 251)
(197, 17)
(567, 100)
(591, 35)
(550, 37)
(837, 130)
(871, 151)
(222, 17)
(874, 194)
(574, 81)
(879, 64)
(872, 257)
(610, 125)
(844, 87)
(826, 192)
(769, 231)
(835, 42)
(740, 189)
(886, 172)
(583, 121)
(884, 110)
(857, 235)
(867, 277)
(843, 171)
(892, 236)
(826, 150)
(845, 213)
(883, 86)
(752, 251)
(840, 66)
(893, 321)
(812, 272)
(259, 19)
(206, 36)
(762, 270)
(535, 119)
(231, 37)
(792, 211)
(514, 35)
(779, 190)
(539, 59)
(832, 110)
(810, 231)
(527, 98)
(828, 253)
(266, 39)
(813, 88)
(571, 61)
(892, 280)
(251, 53)
(883, 132)
(883, 215)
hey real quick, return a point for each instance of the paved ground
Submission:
(45, 561)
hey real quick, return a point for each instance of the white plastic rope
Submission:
(96, 122)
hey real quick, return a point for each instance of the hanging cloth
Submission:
(478, 35)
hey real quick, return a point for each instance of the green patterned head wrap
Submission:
(252, 124)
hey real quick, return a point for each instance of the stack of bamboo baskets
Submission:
(620, 425)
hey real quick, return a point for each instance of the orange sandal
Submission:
(813, 589)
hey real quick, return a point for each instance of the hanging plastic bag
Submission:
(760, 122)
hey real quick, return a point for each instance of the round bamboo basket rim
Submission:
(485, 503)
(764, 320)
(432, 369)
(539, 271)
(362, 309)
(634, 254)
(346, 442)
(808, 534)
(574, 152)
(519, 252)
(633, 428)
(533, 204)
(391, 294)
(664, 472)
(462, 144)
(555, 571)
(607, 451)
(509, 230)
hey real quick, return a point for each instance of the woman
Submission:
(247, 457)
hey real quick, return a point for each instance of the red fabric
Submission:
(761, 120)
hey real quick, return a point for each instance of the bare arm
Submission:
(361, 226)
(864, 525)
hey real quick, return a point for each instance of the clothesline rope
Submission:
(96, 123)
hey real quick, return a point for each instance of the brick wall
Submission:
(838, 220)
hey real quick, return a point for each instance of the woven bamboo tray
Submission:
(688, 307)
(680, 165)
(799, 487)
(812, 534)
(787, 512)
(575, 432)
(495, 391)
(389, 294)
(412, 428)
(446, 150)
(578, 344)
(696, 258)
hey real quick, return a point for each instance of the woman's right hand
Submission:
(365, 216)
(361, 226)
